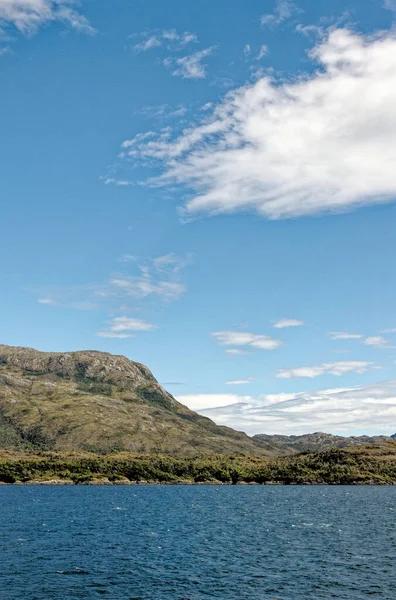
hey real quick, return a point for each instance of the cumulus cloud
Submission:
(242, 338)
(284, 10)
(283, 323)
(236, 352)
(321, 143)
(121, 328)
(336, 368)
(27, 16)
(190, 66)
(354, 411)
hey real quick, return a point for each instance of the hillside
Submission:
(314, 442)
(101, 403)
(373, 464)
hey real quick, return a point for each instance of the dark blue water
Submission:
(186, 542)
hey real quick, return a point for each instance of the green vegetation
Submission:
(97, 402)
(374, 464)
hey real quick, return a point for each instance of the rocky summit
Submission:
(102, 403)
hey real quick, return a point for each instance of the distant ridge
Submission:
(102, 403)
(292, 444)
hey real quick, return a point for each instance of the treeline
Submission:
(365, 465)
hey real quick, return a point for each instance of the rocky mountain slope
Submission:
(317, 442)
(101, 403)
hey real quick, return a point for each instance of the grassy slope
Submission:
(100, 403)
(365, 464)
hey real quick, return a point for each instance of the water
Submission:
(196, 542)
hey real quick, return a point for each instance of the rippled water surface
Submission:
(195, 542)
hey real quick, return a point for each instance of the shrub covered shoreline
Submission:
(374, 464)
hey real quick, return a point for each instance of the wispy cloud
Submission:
(390, 5)
(240, 381)
(355, 411)
(121, 328)
(236, 352)
(142, 285)
(284, 323)
(189, 67)
(151, 42)
(170, 38)
(77, 305)
(250, 340)
(27, 16)
(288, 149)
(336, 368)
(262, 52)
(284, 10)
(343, 335)
(159, 278)
(377, 341)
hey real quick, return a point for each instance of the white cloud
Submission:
(189, 67)
(284, 10)
(117, 182)
(390, 4)
(170, 38)
(144, 286)
(121, 328)
(236, 352)
(392, 330)
(262, 52)
(205, 401)
(240, 381)
(158, 277)
(78, 304)
(182, 39)
(343, 335)
(27, 16)
(247, 50)
(376, 340)
(354, 411)
(283, 323)
(151, 282)
(322, 143)
(241, 338)
(111, 334)
(336, 368)
(151, 42)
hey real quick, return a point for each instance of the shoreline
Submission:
(102, 483)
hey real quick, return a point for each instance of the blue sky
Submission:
(209, 192)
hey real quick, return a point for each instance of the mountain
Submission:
(98, 402)
(317, 442)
